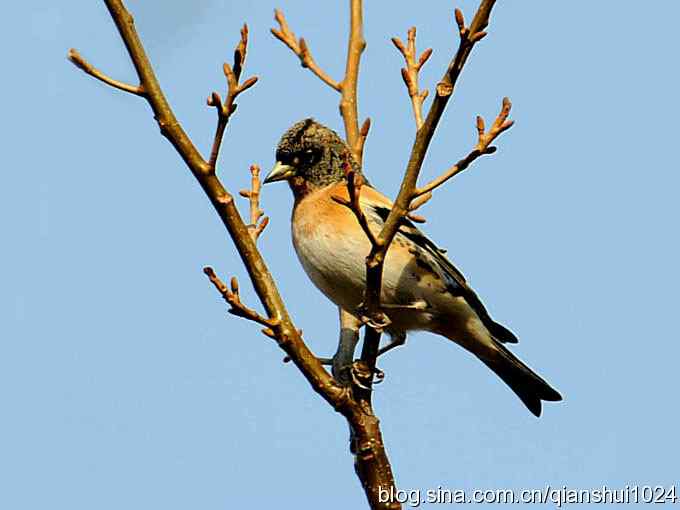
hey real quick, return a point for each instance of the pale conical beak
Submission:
(280, 172)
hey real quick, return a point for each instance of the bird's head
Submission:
(311, 156)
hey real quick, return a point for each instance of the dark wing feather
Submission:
(456, 280)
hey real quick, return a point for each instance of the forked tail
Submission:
(527, 385)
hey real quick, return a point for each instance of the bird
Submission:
(421, 289)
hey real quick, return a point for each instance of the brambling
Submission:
(422, 290)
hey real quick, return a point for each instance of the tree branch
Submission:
(83, 64)
(348, 102)
(469, 36)
(355, 136)
(402, 206)
(361, 142)
(233, 297)
(300, 48)
(371, 463)
(410, 73)
(226, 109)
(354, 183)
(265, 287)
(408, 198)
(501, 124)
(256, 227)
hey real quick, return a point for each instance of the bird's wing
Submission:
(377, 208)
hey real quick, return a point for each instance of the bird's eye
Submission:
(308, 157)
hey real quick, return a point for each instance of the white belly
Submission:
(335, 261)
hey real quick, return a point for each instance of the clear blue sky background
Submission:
(124, 384)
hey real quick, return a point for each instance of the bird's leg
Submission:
(344, 356)
(343, 360)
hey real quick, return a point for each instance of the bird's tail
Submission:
(527, 385)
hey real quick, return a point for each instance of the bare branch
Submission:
(483, 147)
(469, 36)
(422, 199)
(240, 53)
(361, 141)
(416, 218)
(288, 336)
(500, 125)
(355, 136)
(410, 72)
(348, 102)
(401, 207)
(84, 65)
(354, 183)
(256, 227)
(233, 297)
(371, 463)
(234, 88)
(300, 48)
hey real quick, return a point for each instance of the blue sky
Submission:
(123, 382)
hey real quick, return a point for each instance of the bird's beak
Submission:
(280, 172)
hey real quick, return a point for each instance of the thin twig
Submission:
(361, 141)
(83, 64)
(256, 227)
(354, 183)
(349, 103)
(421, 200)
(300, 48)
(484, 139)
(233, 297)
(499, 125)
(234, 88)
(410, 73)
(355, 136)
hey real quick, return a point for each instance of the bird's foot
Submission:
(378, 321)
(363, 377)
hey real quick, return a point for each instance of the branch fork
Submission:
(500, 124)
(236, 306)
(82, 64)
(354, 183)
(255, 227)
(347, 87)
(410, 72)
(300, 48)
(484, 139)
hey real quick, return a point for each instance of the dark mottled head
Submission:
(311, 156)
